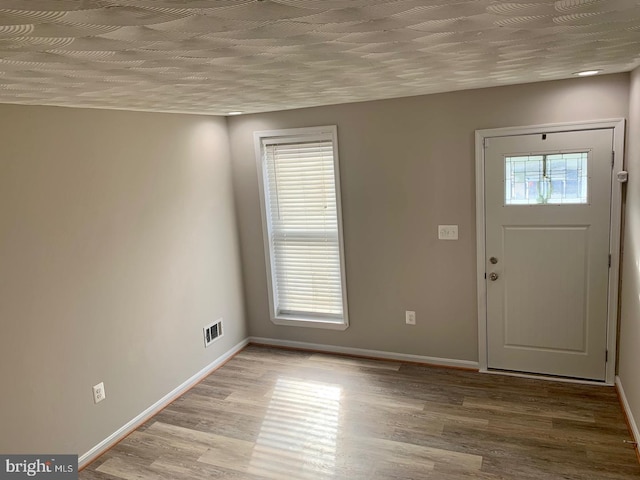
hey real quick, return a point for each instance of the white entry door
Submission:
(548, 220)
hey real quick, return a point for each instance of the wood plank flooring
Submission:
(272, 414)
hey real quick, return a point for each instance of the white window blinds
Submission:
(302, 218)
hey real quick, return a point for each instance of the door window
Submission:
(555, 179)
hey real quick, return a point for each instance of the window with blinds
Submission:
(302, 226)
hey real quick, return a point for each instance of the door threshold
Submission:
(549, 378)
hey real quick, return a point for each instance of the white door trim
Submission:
(618, 126)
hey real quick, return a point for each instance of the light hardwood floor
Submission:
(281, 414)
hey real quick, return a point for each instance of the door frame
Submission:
(618, 126)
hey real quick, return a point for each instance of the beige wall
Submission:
(117, 244)
(629, 353)
(407, 165)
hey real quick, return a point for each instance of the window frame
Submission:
(293, 135)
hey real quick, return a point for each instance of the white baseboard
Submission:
(627, 410)
(361, 352)
(134, 423)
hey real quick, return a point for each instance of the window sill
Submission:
(310, 323)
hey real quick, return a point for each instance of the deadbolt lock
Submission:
(493, 260)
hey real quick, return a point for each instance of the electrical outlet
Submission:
(98, 393)
(410, 317)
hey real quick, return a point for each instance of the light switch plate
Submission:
(447, 232)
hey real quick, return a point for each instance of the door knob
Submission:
(493, 276)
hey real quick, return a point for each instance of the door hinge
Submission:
(606, 356)
(613, 158)
(485, 275)
(609, 260)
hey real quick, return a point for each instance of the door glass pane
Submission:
(546, 179)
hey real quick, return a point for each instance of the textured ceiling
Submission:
(217, 56)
